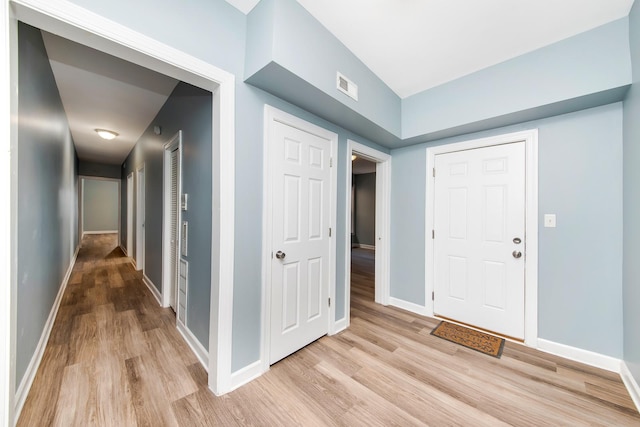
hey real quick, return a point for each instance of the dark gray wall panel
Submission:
(365, 208)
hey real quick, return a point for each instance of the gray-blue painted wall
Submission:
(216, 32)
(99, 205)
(580, 268)
(47, 195)
(631, 271)
(531, 86)
(188, 109)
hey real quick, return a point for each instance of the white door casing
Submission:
(78, 24)
(530, 239)
(130, 215)
(299, 221)
(479, 221)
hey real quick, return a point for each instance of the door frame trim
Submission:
(530, 137)
(271, 115)
(174, 143)
(383, 226)
(63, 18)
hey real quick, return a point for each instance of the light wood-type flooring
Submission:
(115, 359)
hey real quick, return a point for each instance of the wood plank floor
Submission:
(115, 359)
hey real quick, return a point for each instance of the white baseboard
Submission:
(631, 384)
(152, 288)
(100, 232)
(34, 364)
(246, 374)
(340, 325)
(201, 353)
(409, 306)
(587, 357)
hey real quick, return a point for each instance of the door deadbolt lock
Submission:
(517, 240)
(516, 254)
(280, 255)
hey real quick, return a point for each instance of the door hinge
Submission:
(329, 231)
(433, 234)
(434, 172)
(433, 296)
(329, 302)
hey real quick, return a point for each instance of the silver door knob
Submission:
(516, 254)
(280, 255)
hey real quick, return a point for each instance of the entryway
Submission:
(482, 234)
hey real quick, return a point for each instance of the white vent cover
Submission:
(346, 86)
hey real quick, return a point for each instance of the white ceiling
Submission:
(413, 45)
(101, 91)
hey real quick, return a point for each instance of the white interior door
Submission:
(130, 215)
(479, 242)
(140, 218)
(301, 186)
(174, 172)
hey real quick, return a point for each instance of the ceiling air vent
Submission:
(346, 86)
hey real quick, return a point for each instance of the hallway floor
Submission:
(115, 358)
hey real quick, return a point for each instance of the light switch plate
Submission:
(549, 220)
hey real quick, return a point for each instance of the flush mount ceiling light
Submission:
(106, 134)
(353, 157)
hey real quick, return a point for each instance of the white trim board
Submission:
(587, 357)
(36, 359)
(408, 306)
(530, 137)
(198, 349)
(364, 246)
(383, 225)
(246, 374)
(68, 20)
(123, 249)
(152, 288)
(632, 385)
(272, 115)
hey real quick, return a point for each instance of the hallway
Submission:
(115, 358)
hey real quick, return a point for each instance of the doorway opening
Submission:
(99, 206)
(368, 214)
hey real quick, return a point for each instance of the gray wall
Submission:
(224, 29)
(187, 109)
(631, 271)
(580, 269)
(99, 169)
(100, 205)
(365, 208)
(47, 195)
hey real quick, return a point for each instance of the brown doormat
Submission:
(470, 338)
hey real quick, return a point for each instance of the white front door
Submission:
(301, 187)
(479, 242)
